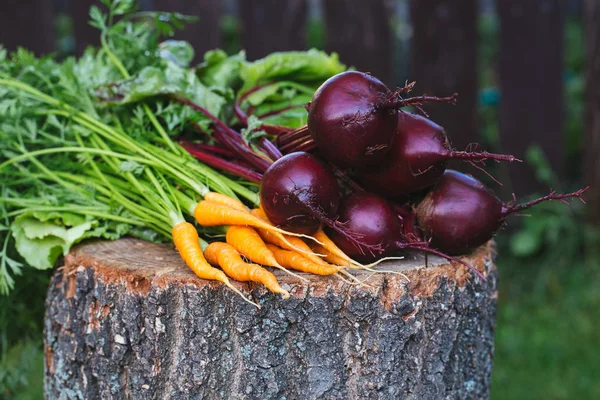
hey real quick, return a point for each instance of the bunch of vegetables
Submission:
(287, 162)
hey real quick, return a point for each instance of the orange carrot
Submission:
(249, 243)
(294, 260)
(332, 248)
(229, 260)
(214, 214)
(225, 200)
(293, 243)
(186, 240)
(329, 256)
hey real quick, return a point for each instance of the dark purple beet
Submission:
(346, 122)
(417, 159)
(371, 217)
(460, 213)
(294, 185)
(380, 225)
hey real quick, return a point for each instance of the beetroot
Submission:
(297, 190)
(460, 213)
(346, 123)
(371, 217)
(381, 226)
(417, 159)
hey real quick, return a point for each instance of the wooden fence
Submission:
(443, 58)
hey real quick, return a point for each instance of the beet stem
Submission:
(219, 163)
(269, 149)
(416, 101)
(273, 113)
(300, 133)
(345, 178)
(186, 143)
(473, 156)
(513, 207)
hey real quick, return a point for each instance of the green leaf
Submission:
(219, 70)
(132, 166)
(121, 7)
(297, 66)
(40, 241)
(98, 19)
(177, 51)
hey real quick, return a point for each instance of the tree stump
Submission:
(127, 319)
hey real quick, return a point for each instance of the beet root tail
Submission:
(514, 207)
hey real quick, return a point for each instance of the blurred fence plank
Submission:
(272, 25)
(531, 84)
(84, 34)
(29, 24)
(204, 34)
(592, 135)
(360, 32)
(444, 61)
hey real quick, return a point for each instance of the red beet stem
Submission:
(269, 149)
(239, 147)
(243, 117)
(307, 146)
(345, 178)
(292, 146)
(472, 156)
(300, 133)
(417, 101)
(206, 148)
(272, 113)
(219, 163)
(513, 207)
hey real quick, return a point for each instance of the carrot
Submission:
(293, 243)
(249, 243)
(332, 248)
(329, 256)
(229, 260)
(187, 242)
(294, 260)
(341, 259)
(214, 214)
(225, 200)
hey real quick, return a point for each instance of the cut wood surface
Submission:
(127, 319)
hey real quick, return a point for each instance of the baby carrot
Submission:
(290, 243)
(225, 200)
(294, 260)
(186, 240)
(329, 256)
(214, 214)
(249, 243)
(229, 260)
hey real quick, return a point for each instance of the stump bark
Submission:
(127, 319)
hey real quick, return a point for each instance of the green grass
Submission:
(548, 329)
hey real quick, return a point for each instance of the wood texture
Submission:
(592, 127)
(127, 319)
(272, 25)
(531, 84)
(28, 24)
(444, 61)
(360, 32)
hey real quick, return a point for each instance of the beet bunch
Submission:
(354, 167)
